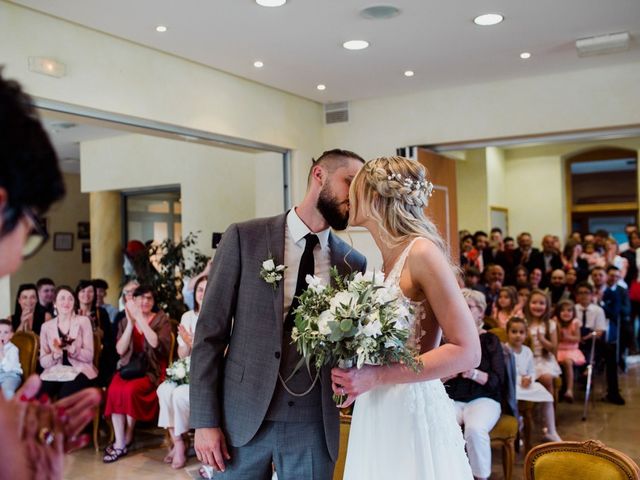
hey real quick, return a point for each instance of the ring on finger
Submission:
(46, 436)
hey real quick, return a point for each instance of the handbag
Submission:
(136, 368)
(634, 291)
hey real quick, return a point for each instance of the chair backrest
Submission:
(589, 460)
(28, 344)
(172, 347)
(97, 347)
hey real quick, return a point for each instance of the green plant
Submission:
(163, 266)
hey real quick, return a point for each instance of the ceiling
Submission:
(300, 43)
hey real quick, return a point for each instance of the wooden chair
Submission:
(97, 350)
(28, 344)
(345, 425)
(589, 460)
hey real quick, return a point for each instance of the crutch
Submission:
(587, 394)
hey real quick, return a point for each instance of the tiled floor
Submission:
(617, 427)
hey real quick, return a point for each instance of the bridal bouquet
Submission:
(178, 371)
(353, 322)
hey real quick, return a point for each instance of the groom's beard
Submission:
(329, 207)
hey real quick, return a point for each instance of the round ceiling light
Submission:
(380, 12)
(271, 3)
(258, 64)
(321, 87)
(409, 73)
(355, 44)
(161, 28)
(525, 55)
(488, 19)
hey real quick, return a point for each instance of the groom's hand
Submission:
(211, 447)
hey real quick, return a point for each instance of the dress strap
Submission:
(394, 275)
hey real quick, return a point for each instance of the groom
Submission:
(248, 408)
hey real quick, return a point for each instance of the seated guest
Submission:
(571, 280)
(28, 315)
(174, 399)
(466, 247)
(66, 349)
(544, 335)
(569, 353)
(509, 244)
(46, 294)
(189, 287)
(87, 306)
(520, 276)
(535, 278)
(523, 297)
(101, 287)
(477, 392)
(572, 259)
(494, 275)
(472, 279)
(551, 257)
(10, 368)
(505, 307)
(592, 256)
(557, 287)
(527, 389)
(614, 259)
(144, 338)
(526, 254)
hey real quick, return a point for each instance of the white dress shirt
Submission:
(11, 360)
(596, 319)
(294, 247)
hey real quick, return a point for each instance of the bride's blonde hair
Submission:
(394, 191)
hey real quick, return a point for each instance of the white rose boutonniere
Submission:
(272, 273)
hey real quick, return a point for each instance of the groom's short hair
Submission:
(333, 159)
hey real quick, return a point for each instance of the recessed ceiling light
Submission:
(525, 55)
(161, 28)
(355, 44)
(258, 64)
(321, 87)
(409, 73)
(488, 19)
(271, 3)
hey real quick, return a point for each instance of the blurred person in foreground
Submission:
(36, 433)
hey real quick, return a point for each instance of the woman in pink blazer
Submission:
(66, 349)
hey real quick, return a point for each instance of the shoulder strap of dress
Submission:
(397, 268)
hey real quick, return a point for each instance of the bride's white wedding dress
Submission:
(406, 431)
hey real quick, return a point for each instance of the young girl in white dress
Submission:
(526, 387)
(544, 336)
(404, 424)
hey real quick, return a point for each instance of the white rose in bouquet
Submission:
(375, 278)
(323, 322)
(372, 329)
(341, 299)
(180, 371)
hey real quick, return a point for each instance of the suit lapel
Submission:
(275, 247)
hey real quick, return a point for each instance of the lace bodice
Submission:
(419, 310)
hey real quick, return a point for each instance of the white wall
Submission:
(496, 177)
(471, 175)
(217, 185)
(590, 98)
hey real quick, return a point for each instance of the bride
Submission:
(404, 424)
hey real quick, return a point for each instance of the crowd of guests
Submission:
(84, 342)
(556, 309)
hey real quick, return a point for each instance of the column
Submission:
(106, 241)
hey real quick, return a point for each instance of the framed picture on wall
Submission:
(85, 251)
(84, 231)
(63, 241)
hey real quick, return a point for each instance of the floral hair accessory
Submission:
(413, 185)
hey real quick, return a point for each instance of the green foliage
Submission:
(163, 267)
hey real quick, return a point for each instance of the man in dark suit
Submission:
(615, 301)
(249, 409)
(551, 259)
(527, 255)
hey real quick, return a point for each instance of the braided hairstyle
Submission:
(394, 192)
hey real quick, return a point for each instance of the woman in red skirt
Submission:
(144, 339)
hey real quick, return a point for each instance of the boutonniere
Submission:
(272, 273)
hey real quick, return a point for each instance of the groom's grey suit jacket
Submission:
(243, 315)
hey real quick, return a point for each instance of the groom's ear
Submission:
(318, 173)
